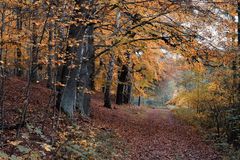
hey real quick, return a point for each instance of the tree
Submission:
(78, 69)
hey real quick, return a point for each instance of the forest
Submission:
(119, 79)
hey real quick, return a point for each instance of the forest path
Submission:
(154, 134)
(166, 138)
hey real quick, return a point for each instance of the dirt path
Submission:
(154, 134)
(167, 139)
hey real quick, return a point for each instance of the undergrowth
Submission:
(200, 121)
(74, 143)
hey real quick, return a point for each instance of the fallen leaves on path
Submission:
(153, 134)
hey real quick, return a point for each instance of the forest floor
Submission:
(122, 133)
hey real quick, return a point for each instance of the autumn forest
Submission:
(119, 79)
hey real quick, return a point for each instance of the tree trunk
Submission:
(19, 68)
(139, 101)
(68, 101)
(62, 69)
(86, 70)
(108, 83)
(67, 96)
(34, 55)
(238, 58)
(76, 93)
(50, 58)
(2, 30)
(92, 76)
(125, 84)
(127, 93)
(122, 80)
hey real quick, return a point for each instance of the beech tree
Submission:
(77, 71)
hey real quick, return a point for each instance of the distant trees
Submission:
(134, 30)
(233, 119)
(214, 81)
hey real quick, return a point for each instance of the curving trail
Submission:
(167, 139)
(153, 134)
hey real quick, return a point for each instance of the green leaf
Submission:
(29, 127)
(3, 155)
(13, 157)
(35, 155)
(23, 149)
(38, 131)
